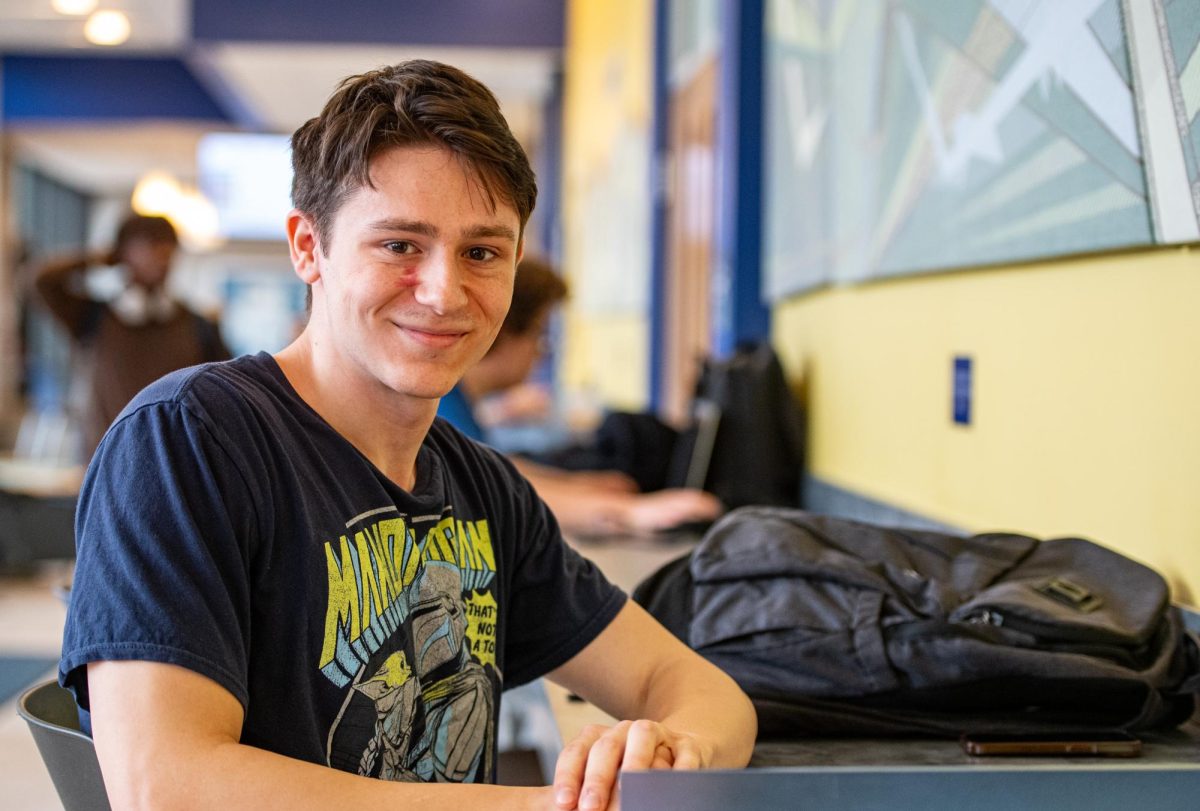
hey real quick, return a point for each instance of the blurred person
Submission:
(588, 502)
(296, 588)
(136, 336)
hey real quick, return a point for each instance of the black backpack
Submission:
(758, 451)
(836, 627)
(755, 455)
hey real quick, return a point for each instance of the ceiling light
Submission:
(196, 220)
(74, 8)
(159, 194)
(106, 28)
(156, 194)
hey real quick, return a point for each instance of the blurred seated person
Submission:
(587, 502)
(136, 335)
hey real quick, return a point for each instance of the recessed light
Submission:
(106, 28)
(75, 8)
(156, 193)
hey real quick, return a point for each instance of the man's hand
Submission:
(636, 669)
(587, 770)
(664, 509)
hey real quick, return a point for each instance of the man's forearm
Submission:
(637, 670)
(578, 509)
(707, 703)
(168, 738)
(233, 775)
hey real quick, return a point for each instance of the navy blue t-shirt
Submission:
(224, 526)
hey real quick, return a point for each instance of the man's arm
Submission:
(55, 283)
(693, 715)
(608, 480)
(587, 503)
(168, 738)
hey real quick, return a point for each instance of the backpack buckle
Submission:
(1071, 594)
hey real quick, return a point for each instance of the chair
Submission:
(69, 754)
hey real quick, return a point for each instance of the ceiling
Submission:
(262, 66)
(157, 25)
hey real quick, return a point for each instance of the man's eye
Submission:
(480, 254)
(399, 246)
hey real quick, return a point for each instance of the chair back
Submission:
(69, 754)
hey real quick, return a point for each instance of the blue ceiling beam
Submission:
(42, 89)
(489, 23)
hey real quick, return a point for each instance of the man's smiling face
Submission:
(415, 274)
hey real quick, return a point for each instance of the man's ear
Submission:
(521, 249)
(304, 245)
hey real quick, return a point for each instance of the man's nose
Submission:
(440, 284)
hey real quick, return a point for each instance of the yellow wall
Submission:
(607, 97)
(608, 360)
(1086, 399)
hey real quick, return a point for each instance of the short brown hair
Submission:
(536, 289)
(412, 103)
(139, 227)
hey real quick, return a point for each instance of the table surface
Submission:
(1059, 786)
(1158, 748)
(42, 479)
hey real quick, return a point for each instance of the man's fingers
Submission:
(587, 770)
(572, 761)
(641, 745)
(603, 763)
(687, 755)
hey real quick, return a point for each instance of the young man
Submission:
(135, 337)
(582, 501)
(285, 564)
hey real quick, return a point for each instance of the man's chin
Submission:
(433, 390)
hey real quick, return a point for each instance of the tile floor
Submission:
(31, 622)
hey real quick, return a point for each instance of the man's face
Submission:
(148, 260)
(416, 274)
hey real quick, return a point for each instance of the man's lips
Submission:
(432, 336)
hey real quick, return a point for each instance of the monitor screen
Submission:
(248, 178)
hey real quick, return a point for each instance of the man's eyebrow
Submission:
(490, 231)
(421, 227)
(429, 230)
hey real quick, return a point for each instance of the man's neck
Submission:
(384, 426)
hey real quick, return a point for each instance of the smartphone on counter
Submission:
(1103, 744)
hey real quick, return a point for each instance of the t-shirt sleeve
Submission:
(560, 601)
(163, 533)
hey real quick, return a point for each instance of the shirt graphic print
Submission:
(410, 628)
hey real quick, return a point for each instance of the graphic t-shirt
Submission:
(225, 527)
